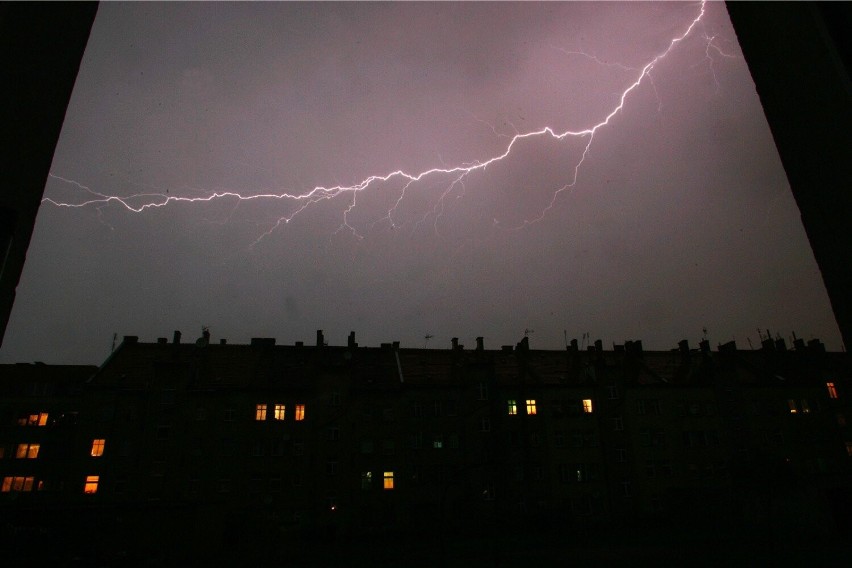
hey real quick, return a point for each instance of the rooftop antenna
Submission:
(565, 335)
(114, 337)
(704, 332)
(427, 338)
(528, 331)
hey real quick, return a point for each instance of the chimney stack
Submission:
(320, 339)
(480, 344)
(351, 341)
(574, 345)
(176, 338)
(455, 343)
(683, 345)
(598, 345)
(704, 345)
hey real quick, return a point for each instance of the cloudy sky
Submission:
(680, 218)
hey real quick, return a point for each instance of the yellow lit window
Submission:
(792, 404)
(587, 405)
(300, 412)
(29, 451)
(530, 406)
(279, 411)
(260, 412)
(388, 479)
(832, 390)
(91, 484)
(513, 407)
(33, 421)
(98, 448)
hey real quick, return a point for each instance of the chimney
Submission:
(205, 333)
(351, 341)
(320, 339)
(816, 346)
(162, 341)
(455, 343)
(395, 345)
(480, 344)
(730, 346)
(780, 344)
(574, 345)
(683, 346)
(223, 341)
(799, 344)
(767, 344)
(704, 345)
(130, 339)
(300, 344)
(598, 345)
(176, 338)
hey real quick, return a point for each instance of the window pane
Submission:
(388, 480)
(260, 412)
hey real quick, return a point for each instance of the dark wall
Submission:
(41, 45)
(799, 57)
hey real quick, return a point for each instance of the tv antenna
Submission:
(427, 338)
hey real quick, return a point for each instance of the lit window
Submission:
(98, 448)
(260, 412)
(300, 412)
(42, 419)
(91, 484)
(806, 408)
(849, 448)
(513, 407)
(366, 480)
(438, 442)
(33, 421)
(587, 405)
(18, 484)
(530, 406)
(832, 390)
(792, 404)
(279, 411)
(29, 451)
(388, 480)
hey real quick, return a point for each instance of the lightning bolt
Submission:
(452, 179)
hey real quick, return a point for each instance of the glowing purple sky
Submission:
(681, 217)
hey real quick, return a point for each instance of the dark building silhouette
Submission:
(174, 452)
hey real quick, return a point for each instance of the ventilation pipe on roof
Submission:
(480, 344)
(320, 339)
(176, 338)
(351, 341)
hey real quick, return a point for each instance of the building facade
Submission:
(255, 450)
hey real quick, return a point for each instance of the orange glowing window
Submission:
(98, 448)
(388, 480)
(849, 448)
(587, 405)
(531, 406)
(792, 404)
(33, 421)
(91, 484)
(300, 412)
(260, 412)
(29, 451)
(832, 390)
(513, 407)
(17, 484)
(279, 411)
